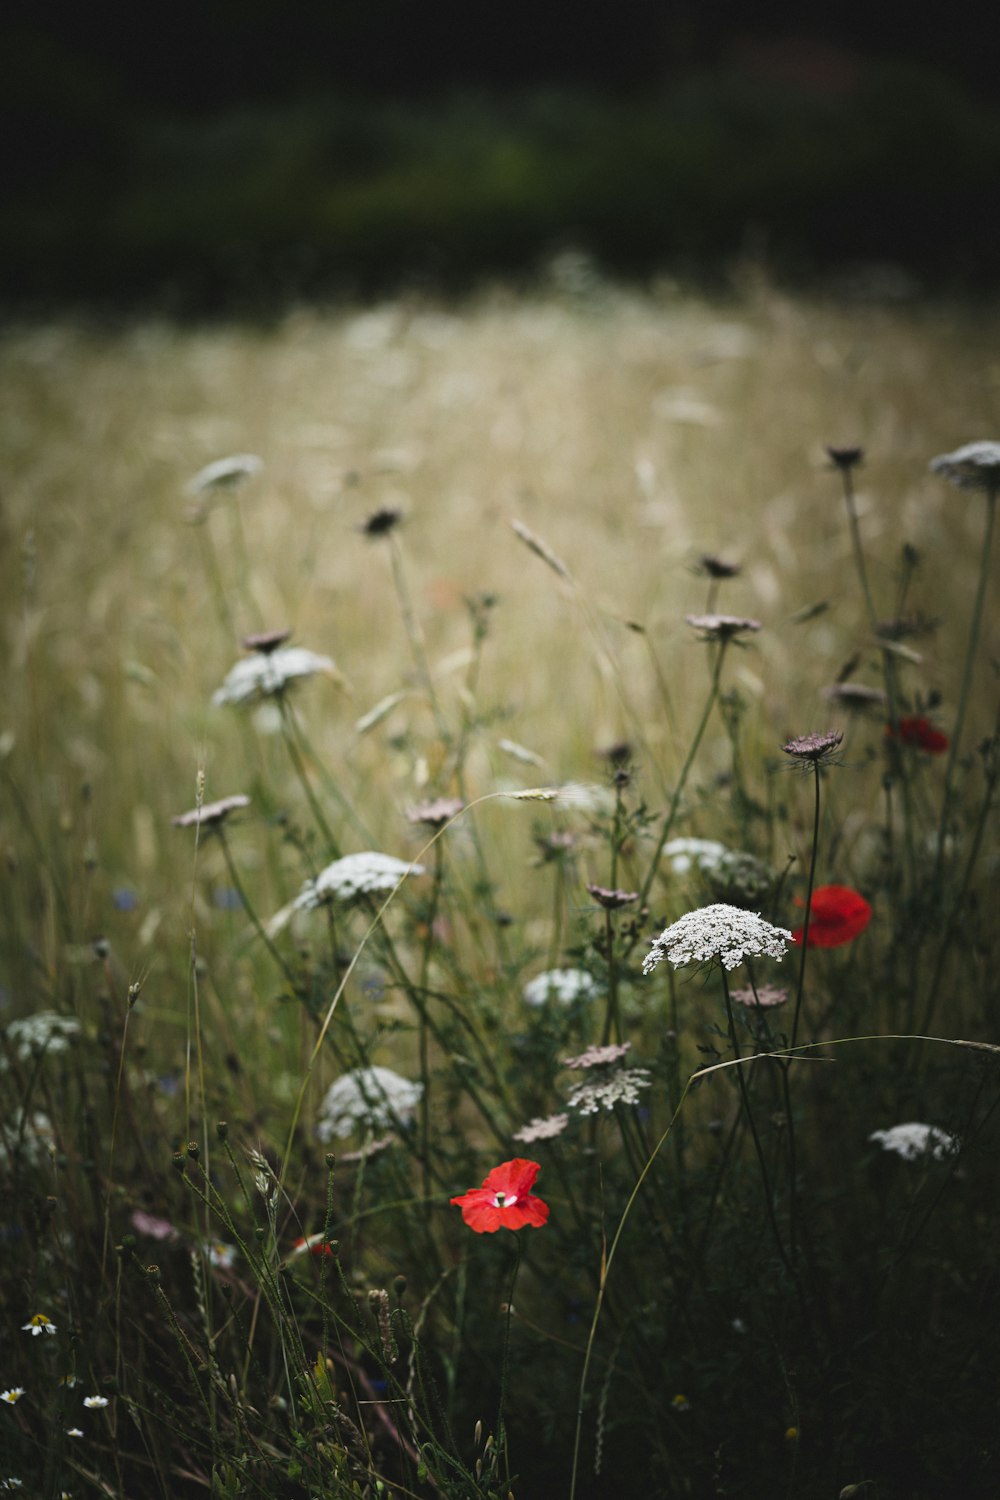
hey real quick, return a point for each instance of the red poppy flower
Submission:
(836, 916)
(505, 1200)
(920, 734)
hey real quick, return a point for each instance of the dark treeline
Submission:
(265, 149)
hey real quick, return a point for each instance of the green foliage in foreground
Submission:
(739, 1290)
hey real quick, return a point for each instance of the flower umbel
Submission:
(543, 1129)
(837, 915)
(563, 985)
(719, 931)
(505, 1200)
(722, 627)
(976, 466)
(269, 674)
(913, 1140)
(373, 1098)
(355, 875)
(814, 749)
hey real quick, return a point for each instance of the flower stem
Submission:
(805, 926)
(963, 695)
(671, 813)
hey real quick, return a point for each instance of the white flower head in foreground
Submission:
(912, 1141)
(620, 1087)
(719, 931)
(703, 853)
(976, 466)
(13, 1395)
(268, 675)
(564, 985)
(364, 874)
(95, 1401)
(370, 1098)
(45, 1031)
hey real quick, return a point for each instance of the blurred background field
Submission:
(633, 433)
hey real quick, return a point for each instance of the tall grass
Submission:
(738, 1289)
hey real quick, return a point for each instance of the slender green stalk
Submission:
(671, 813)
(294, 751)
(800, 988)
(964, 690)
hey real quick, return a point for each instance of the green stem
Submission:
(963, 695)
(805, 926)
(671, 813)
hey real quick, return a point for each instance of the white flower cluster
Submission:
(45, 1031)
(542, 1129)
(372, 1098)
(620, 1087)
(564, 985)
(683, 853)
(912, 1141)
(976, 466)
(718, 931)
(355, 875)
(267, 675)
(32, 1138)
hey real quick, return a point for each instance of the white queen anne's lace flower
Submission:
(564, 985)
(620, 1087)
(45, 1031)
(542, 1129)
(370, 1098)
(683, 853)
(268, 675)
(364, 874)
(976, 466)
(911, 1141)
(718, 931)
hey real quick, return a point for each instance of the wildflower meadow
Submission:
(499, 968)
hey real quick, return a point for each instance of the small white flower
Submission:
(39, 1324)
(912, 1141)
(364, 874)
(74, 1432)
(718, 931)
(45, 1031)
(620, 1087)
(564, 985)
(683, 853)
(221, 1255)
(225, 473)
(542, 1129)
(92, 1401)
(31, 1139)
(374, 1098)
(11, 1483)
(13, 1395)
(269, 675)
(976, 466)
